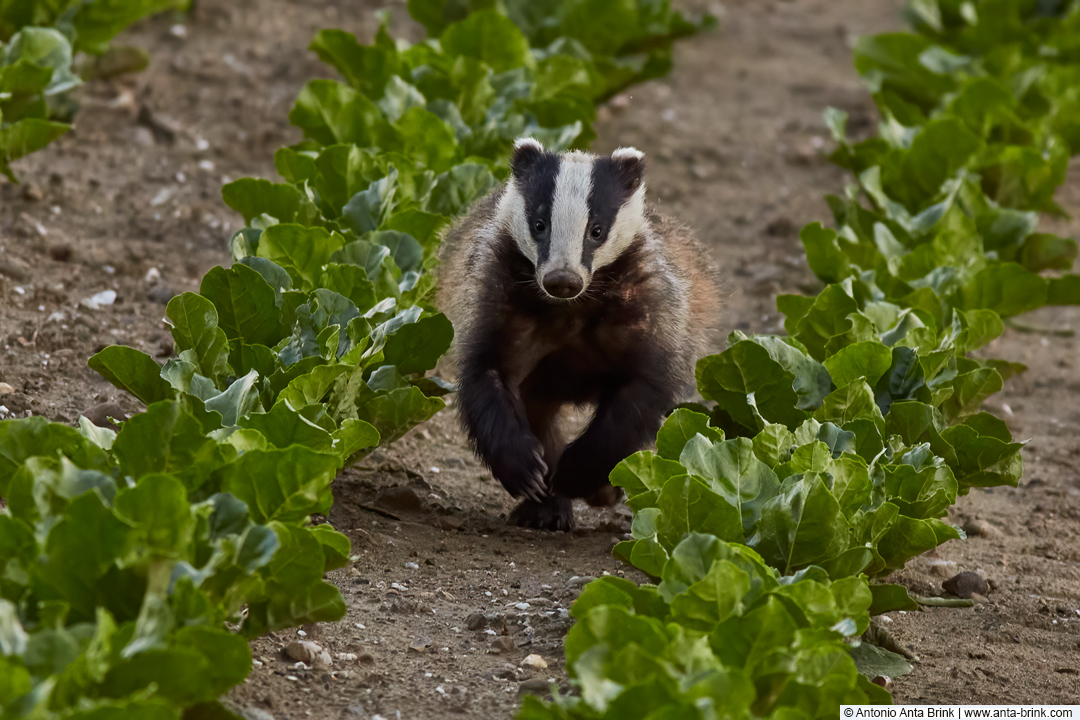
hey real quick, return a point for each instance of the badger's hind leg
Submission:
(554, 512)
(606, 496)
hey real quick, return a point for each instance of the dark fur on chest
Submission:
(573, 347)
(525, 357)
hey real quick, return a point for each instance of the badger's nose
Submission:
(563, 284)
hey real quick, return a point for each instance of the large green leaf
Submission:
(398, 411)
(131, 370)
(802, 525)
(167, 439)
(252, 197)
(194, 321)
(679, 428)
(733, 470)
(245, 304)
(490, 37)
(282, 484)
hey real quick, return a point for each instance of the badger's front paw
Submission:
(555, 512)
(522, 471)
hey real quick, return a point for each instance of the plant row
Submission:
(135, 561)
(38, 43)
(829, 457)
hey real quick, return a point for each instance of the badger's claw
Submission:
(524, 475)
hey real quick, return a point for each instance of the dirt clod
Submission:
(100, 414)
(502, 645)
(966, 584)
(535, 686)
(400, 499)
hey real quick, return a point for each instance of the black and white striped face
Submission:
(572, 213)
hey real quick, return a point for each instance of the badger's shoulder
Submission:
(467, 246)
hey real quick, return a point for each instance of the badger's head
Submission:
(572, 213)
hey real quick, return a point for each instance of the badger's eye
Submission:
(539, 226)
(596, 232)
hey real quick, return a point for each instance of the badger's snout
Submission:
(564, 284)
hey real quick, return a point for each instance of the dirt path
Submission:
(445, 602)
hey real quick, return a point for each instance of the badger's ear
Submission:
(631, 167)
(526, 152)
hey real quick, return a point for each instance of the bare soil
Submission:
(445, 601)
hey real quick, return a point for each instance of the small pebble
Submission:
(100, 300)
(981, 528)
(420, 645)
(307, 652)
(535, 662)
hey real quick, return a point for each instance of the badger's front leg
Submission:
(495, 419)
(627, 419)
(554, 512)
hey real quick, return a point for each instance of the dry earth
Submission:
(446, 602)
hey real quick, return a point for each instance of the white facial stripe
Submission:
(570, 212)
(628, 223)
(511, 215)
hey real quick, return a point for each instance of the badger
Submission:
(565, 289)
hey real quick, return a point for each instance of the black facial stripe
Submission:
(537, 186)
(609, 191)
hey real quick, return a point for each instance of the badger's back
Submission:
(696, 279)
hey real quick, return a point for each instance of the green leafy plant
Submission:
(125, 553)
(722, 635)
(830, 455)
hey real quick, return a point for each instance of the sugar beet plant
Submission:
(829, 456)
(136, 561)
(38, 41)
